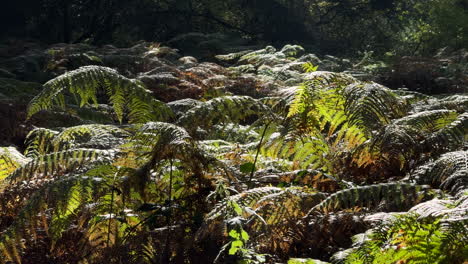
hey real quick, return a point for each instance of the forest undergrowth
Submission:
(267, 160)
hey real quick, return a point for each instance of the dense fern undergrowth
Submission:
(331, 170)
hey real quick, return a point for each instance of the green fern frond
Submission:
(246, 199)
(303, 97)
(372, 105)
(371, 196)
(412, 97)
(10, 249)
(89, 136)
(455, 240)
(148, 133)
(309, 67)
(325, 79)
(274, 206)
(51, 165)
(11, 245)
(449, 172)
(316, 81)
(159, 138)
(310, 153)
(78, 201)
(156, 144)
(407, 138)
(450, 209)
(11, 239)
(318, 118)
(323, 110)
(180, 107)
(397, 142)
(457, 102)
(450, 137)
(306, 261)
(341, 256)
(38, 142)
(289, 205)
(412, 239)
(277, 104)
(128, 97)
(428, 121)
(66, 198)
(41, 141)
(68, 201)
(433, 132)
(10, 160)
(313, 153)
(221, 110)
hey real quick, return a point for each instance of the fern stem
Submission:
(111, 207)
(169, 214)
(256, 155)
(170, 182)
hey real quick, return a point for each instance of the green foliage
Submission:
(372, 105)
(246, 199)
(38, 142)
(331, 26)
(222, 110)
(156, 141)
(41, 141)
(439, 130)
(247, 167)
(317, 115)
(10, 160)
(309, 67)
(382, 195)
(413, 240)
(428, 121)
(50, 165)
(441, 24)
(128, 97)
(449, 172)
(238, 244)
(332, 118)
(238, 241)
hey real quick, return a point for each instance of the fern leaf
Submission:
(457, 102)
(160, 139)
(341, 256)
(227, 109)
(449, 172)
(38, 142)
(289, 205)
(428, 121)
(10, 160)
(451, 136)
(370, 196)
(449, 209)
(89, 136)
(60, 162)
(245, 199)
(85, 83)
(65, 197)
(372, 105)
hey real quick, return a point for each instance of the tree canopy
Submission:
(330, 25)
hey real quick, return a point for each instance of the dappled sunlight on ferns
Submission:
(235, 178)
(129, 98)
